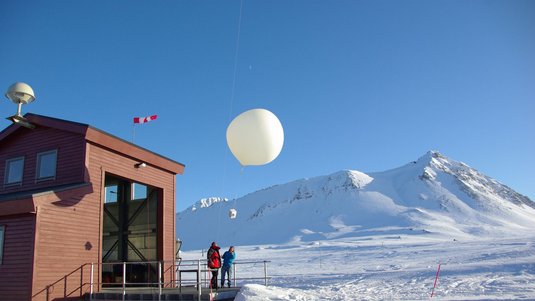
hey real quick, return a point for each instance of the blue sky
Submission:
(364, 85)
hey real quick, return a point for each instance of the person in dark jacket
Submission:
(226, 270)
(214, 263)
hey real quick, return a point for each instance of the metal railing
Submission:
(73, 284)
(181, 273)
(249, 269)
(121, 276)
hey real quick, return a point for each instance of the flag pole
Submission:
(133, 132)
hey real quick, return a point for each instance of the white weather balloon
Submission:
(255, 137)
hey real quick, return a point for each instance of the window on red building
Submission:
(14, 171)
(46, 165)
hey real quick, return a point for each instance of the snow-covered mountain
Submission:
(431, 196)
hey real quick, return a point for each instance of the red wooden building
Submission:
(71, 194)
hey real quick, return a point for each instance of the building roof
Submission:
(101, 138)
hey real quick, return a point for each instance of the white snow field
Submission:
(392, 268)
(377, 236)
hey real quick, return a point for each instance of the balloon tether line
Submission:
(218, 218)
(232, 96)
(235, 72)
(242, 168)
(233, 89)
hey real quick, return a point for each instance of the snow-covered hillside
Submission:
(433, 196)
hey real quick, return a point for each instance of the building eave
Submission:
(27, 201)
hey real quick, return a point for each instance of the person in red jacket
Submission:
(214, 263)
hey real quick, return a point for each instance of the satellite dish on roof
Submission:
(20, 94)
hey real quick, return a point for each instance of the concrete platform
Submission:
(168, 294)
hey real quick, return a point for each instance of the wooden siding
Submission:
(28, 143)
(106, 140)
(16, 267)
(67, 237)
(67, 227)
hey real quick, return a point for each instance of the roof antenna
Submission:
(20, 94)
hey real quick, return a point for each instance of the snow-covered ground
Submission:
(391, 268)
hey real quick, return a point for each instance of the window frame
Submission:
(2, 240)
(6, 172)
(38, 166)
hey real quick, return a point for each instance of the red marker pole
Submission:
(436, 278)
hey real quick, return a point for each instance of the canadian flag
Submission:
(145, 119)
